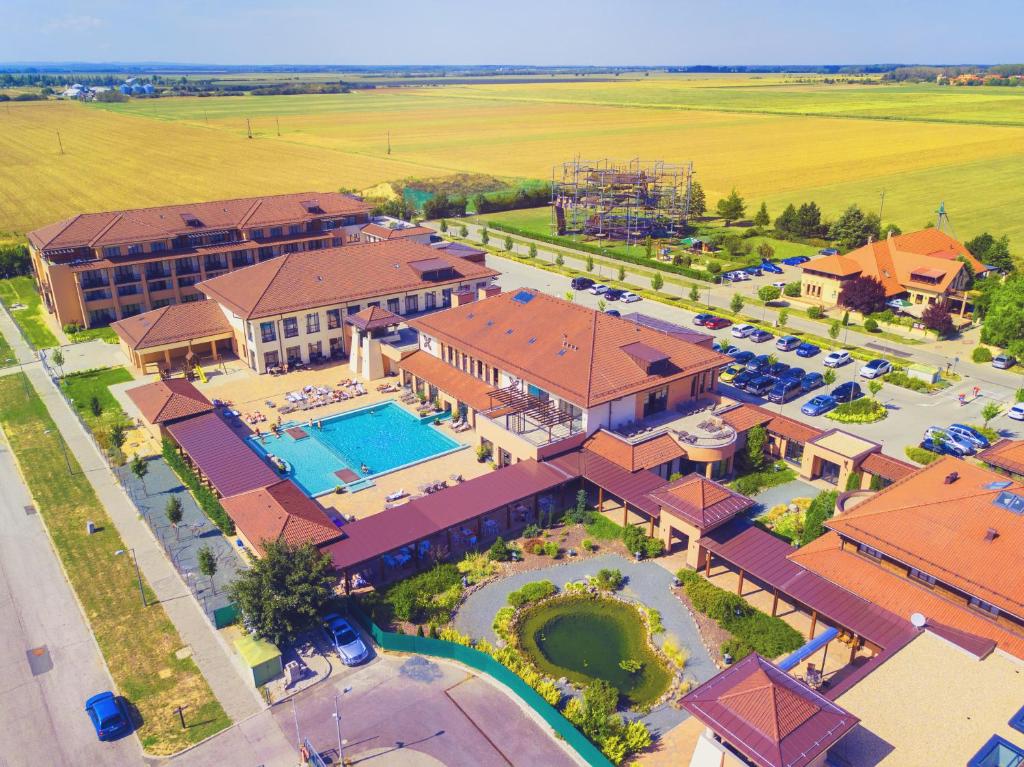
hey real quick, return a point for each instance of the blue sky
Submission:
(522, 32)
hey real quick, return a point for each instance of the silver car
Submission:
(349, 645)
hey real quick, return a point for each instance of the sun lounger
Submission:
(396, 496)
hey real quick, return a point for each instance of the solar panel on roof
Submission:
(1001, 484)
(1010, 501)
(523, 297)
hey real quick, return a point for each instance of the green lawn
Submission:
(88, 334)
(22, 290)
(138, 643)
(83, 387)
(7, 357)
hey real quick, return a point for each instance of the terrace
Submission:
(694, 424)
(538, 421)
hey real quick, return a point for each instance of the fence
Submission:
(484, 663)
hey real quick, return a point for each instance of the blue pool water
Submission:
(383, 437)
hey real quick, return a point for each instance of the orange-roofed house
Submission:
(924, 268)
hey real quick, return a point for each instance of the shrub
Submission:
(477, 567)
(676, 654)
(815, 312)
(503, 622)
(866, 410)
(427, 597)
(607, 579)
(853, 481)
(920, 455)
(588, 545)
(901, 379)
(531, 592)
(531, 531)
(714, 267)
(550, 549)
(981, 354)
(636, 540)
(792, 289)
(499, 551)
(870, 325)
(737, 649)
(654, 619)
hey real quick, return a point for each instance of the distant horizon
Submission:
(782, 67)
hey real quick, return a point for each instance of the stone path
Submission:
(647, 583)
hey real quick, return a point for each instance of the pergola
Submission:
(520, 405)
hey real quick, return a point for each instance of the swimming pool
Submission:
(382, 437)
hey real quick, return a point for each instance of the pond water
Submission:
(585, 639)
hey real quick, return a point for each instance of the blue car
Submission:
(761, 385)
(768, 266)
(613, 312)
(108, 714)
(807, 349)
(937, 445)
(828, 252)
(818, 405)
(744, 378)
(760, 336)
(753, 270)
(795, 260)
(742, 357)
(777, 369)
(787, 343)
(847, 392)
(759, 364)
(969, 434)
(796, 374)
(784, 390)
(812, 381)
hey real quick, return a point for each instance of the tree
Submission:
(754, 455)
(737, 303)
(990, 250)
(508, 243)
(874, 386)
(95, 406)
(443, 226)
(694, 293)
(990, 411)
(463, 231)
(698, 203)
(846, 319)
(808, 220)
(829, 376)
(765, 251)
(174, 513)
(783, 317)
(622, 274)
(833, 330)
(533, 250)
(485, 236)
(871, 325)
(285, 591)
(768, 293)
(648, 246)
(853, 228)
(792, 289)
(57, 358)
(761, 218)
(590, 263)
(140, 469)
(937, 317)
(118, 436)
(601, 305)
(559, 261)
(499, 551)
(787, 222)
(1004, 315)
(207, 565)
(731, 208)
(657, 281)
(396, 207)
(863, 294)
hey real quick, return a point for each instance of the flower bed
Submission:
(866, 410)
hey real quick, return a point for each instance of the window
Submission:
(266, 252)
(160, 303)
(337, 242)
(186, 266)
(294, 354)
(267, 332)
(255, 234)
(112, 250)
(271, 359)
(156, 247)
(291, 327)
(983, 606)
(429, 300)
(313, 323)
(373, 303)
(918, 575)
(124, 274)
(248, 330)
(97, 295)
(242, 258)
(95, 278)
(997, 752)
(315, 350)
(276, 231)
(334, 318)
(353, 309)
(157, 285)
(129, 290)
(393, 306)
(188, 298)
(215, 262)
(290, 247)
(481, 285)
(187, 282)
(101, 317)
(868, 551)
(130, 310)
(135, 250)
(446, 297)
(294, 229)
(412, 304)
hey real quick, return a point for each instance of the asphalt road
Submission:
(42, 721)
(910, 413)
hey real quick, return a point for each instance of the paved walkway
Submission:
(89, 355)
(646, 582)
(238, 697)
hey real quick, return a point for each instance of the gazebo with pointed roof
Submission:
(755, 709)
(373, 318)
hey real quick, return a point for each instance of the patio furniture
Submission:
(396, 496)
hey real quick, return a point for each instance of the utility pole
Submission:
(881, 207)
(278, 121)
(206, 117)
(389, 142)
(337, 724)
(60, 143)
(248, 127)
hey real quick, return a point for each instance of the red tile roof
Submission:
(1006, 454)
(747, 416)
(373, 318)
(221, 454)
(314, 278)
(172, 324)
(767, 715)
(166, 222)
(887, 467)
(570, 350)
(449, 379)
(169, 400)
(397, 233)
(632, 487)
(645, 455)
(280, 512)
(700, 501)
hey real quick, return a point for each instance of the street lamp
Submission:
(64, 449)
(138, 575)
(337, 724)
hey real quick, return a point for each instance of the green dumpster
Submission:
(262, 658)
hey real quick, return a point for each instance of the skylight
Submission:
(999, 485)
(523, 297)
(1010, 501)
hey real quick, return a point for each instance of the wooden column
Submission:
(600, 499)
(814, 622)
(347, 582)
(739, 586)
(707, 469)
(625, 514)
(167, 357)
(707, 565)
(448, 535)
(213, 350)
(650, 527)
(775, 601)
(853, 647)
(479, 529)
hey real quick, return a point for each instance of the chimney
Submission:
(951, 478)
(991, 534)
(487, 292)
(463, 296)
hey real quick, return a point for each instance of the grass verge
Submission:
(138, 643)
(83, 387)
(105, 334)
(7, 358)
(22, 290)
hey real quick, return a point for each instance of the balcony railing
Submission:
(158, 274)
(123, 278)
(89, 283)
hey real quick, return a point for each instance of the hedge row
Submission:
(751, 628)
(204, 496)
(695, 274)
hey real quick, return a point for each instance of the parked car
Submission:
(760, 336)
(795, 260)
(1004, 361)
(836, 359)
(1016, 412)
(700, 319)
(812, 381)
(744, 378)
(787, 343)
(738, 276)
(598, 289)
(630, 298)
(875, 369)
(109, 715)
(780, 284)
(828, 252)
(942, 448)
(759, 364)
(729, 372)
(754, 271)
(784, 390)
(970, 434)
(795, 373)
(818, 405)
(847, 392)
(807, 349)
(717, 323)
(581, 283)
(613, 294)
(613, 312)
(771, 268)
(962, 446)
(777, 369)
(742, 357)
(349, 645)
(742, 331)
(761, 385)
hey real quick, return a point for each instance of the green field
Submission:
(138, 643)
(774, 138)
(22, 290)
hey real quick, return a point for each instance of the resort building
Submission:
(95, 268)
(537, 375)
(387, 228)
(164, 403)
(292, 310)
(924, 268)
